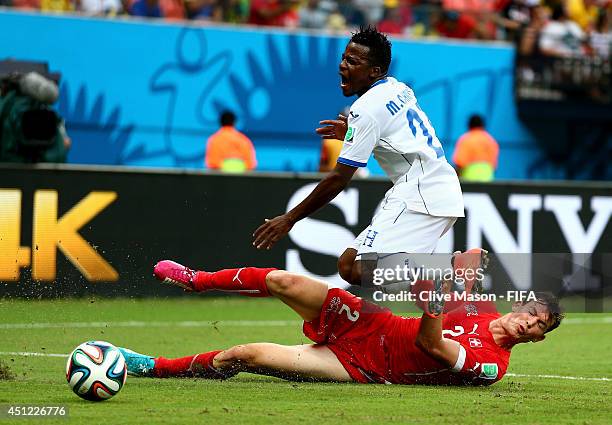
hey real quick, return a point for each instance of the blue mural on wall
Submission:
(278, 98)
(150, 94)
(187, 82)
(282, 108)
(97, 133)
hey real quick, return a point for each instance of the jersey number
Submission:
(412, 115)
(458, 331)
(352, 315)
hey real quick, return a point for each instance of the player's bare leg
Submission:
(303, 362)
(302, 294)
(353, 270)
(307, 362)
(346, 261)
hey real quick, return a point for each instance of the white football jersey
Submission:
(388, 121)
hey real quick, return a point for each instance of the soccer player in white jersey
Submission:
(386, 120)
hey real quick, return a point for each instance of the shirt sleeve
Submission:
(361, 138)
(479, 365)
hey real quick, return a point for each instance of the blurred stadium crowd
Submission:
(556, 27)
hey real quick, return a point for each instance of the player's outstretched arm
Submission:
(274, 229)
(431, 341)
(430, 338)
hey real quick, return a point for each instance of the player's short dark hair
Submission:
(227, 118)
(377, 42)
(475, 121)
(552, 304)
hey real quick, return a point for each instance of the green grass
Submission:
(574, 350)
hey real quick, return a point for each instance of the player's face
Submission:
(527, 322)
(356, 72)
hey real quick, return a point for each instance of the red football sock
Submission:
(200, 365)
(249, 281)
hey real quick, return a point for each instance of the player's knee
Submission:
(345, 269)
(281, 282)
(345, 265)
(356, 277)
(350, 272)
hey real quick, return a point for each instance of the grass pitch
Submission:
(183, 326)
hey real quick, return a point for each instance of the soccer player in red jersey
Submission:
(355, 340)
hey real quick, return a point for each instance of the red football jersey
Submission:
(376, 346)
(481, 361)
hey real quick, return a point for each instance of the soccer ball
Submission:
(96, 370)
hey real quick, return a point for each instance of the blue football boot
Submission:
(138, 364)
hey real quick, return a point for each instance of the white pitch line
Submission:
(30, 354)
(587, 320)
(235, 323)
(152, 324)
(516, 375)
(572, 378)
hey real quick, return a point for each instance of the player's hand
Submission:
(333, 129)
(271, 231)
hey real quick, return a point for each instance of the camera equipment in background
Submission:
(30, 130)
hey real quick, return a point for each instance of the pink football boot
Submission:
(175, 274)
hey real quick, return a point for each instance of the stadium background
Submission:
(126, 106)
(127, 94)
(208, 220)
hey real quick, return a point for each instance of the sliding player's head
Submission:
(365, 60)
(530, 320)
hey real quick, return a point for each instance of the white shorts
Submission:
(394, 228)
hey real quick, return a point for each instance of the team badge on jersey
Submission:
(475, 343)
(471, 310)
(489, 371)
(350, 133)
(334, 304)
